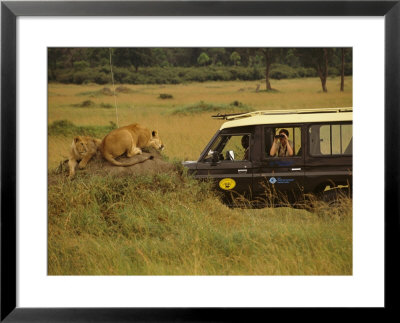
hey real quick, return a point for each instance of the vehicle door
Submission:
(280, 177)
(228, 162)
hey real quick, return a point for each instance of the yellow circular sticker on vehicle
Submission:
(227, 183)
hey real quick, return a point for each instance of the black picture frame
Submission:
(9, 13)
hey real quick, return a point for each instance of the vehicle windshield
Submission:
(229, 148)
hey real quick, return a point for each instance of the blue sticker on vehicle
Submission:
(284, 180)
(280, 180)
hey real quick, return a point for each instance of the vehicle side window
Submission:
(294, 139)
(229, 148)
(331, 140)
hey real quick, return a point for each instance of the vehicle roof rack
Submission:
(234, 116)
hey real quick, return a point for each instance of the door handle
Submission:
(242, 171)
(296, 169)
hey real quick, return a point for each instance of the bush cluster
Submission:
(165, 96)
(82, 74)
(279, 71)
(67, 128)
(201, 107)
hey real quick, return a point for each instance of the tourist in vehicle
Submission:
(282, 146)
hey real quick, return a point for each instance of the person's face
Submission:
(283, 139)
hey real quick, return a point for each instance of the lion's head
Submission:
(156, 140)
(80, 145)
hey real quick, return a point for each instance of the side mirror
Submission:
(230, 155)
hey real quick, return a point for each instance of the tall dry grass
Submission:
(170, 224)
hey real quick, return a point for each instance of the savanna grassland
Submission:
(169, 224)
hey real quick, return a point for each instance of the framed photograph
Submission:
(192, 160)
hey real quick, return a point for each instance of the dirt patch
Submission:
(100, 167)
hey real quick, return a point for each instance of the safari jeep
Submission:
(240, 161)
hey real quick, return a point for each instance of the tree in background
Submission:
(77, 65)
(54, 56)
(235, 58)
(160, 57)
(98, 56)
(322, 68)
(178, 56)
(136, 57)
(342, 72)
(216, 55)
(270, 56)
(203, 59)
(317, 58)
(245, 54)
(290, 58)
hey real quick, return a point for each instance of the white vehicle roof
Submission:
(287, 116)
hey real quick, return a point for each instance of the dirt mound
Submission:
(106, 91)
(99, 166)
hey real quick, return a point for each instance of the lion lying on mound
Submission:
(83, 148)
(100, 167)
(129, 139)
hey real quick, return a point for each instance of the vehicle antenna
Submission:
(115, 97)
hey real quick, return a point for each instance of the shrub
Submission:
(101, 78)
(333, 71)
(306, 72)
(176, 80)
(67, 128)
(202, 107)
(87, 103)
(165, 96)
(83, 77)
(177, 75)
(66, 77)
(236, 103)
(279, 71)
(106, 105)
(81, 65)
(61, 127)
(104, 69)
(257, 74)
(84, 104)
(197, 75)
(121, 75)
(348, 69)
(222, 75)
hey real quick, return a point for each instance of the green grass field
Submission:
(170, 224)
